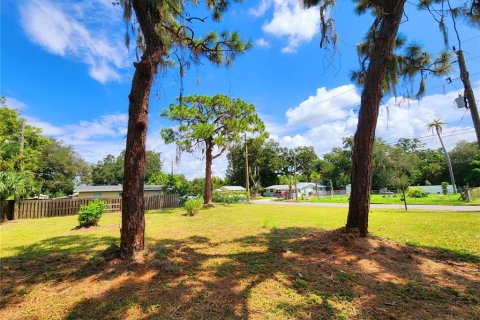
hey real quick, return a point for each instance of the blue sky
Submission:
(65, 65)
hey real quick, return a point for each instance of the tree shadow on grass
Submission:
(51, 260)
(290, 273)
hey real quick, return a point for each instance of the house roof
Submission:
(233, 188)
(300, 185)
(115, 188)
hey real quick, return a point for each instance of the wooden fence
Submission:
(32, 209)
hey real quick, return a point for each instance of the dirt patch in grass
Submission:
(289, 273)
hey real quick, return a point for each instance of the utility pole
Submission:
(172, 168)
(472, 104)
(331, 188)
(295, 175)
(247, 176)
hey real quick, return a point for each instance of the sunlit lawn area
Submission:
(450, 199)
(245, 261)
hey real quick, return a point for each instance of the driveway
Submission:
(373, 206)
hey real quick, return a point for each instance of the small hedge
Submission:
(229, 197)
(89, 214)
(416, 192)
(193, 206)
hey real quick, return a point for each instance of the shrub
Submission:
(89, 214)
(416, 192)
(229, 197)
(445, 188)
(193, 206)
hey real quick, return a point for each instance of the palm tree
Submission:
(15, 185)
(437, 125)
(316, 178)
(290, 181)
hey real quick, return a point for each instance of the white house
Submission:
(304, 188)
(436, 189)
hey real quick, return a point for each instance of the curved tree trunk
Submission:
(364, 137)
(133, 219)
(449, 163)
(207, 192)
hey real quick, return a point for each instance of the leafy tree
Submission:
(109, 171)
(432, 167)
(410, 145)
(164, 29)
(48, 163)
(337, 164)
(305, 159)
(462, 157)
(437, 126)
(473, 177)
(16, 185)
(172, 183)
(58, 167)
(209, 123)
(10, 131)
(402, 172)
(197, 186)
(265, 163)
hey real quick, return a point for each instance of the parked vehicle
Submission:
(281, 194)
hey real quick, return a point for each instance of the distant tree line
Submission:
(405, 162)
(33, 164)
(46, 166)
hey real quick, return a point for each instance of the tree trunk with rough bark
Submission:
(359, 205)
(207, 192)
(133, 218)
(469, 95)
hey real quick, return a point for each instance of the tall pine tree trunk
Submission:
(370, 102)
(469, 95)
(207, 192)
(133, 218)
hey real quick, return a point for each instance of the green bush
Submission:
(193, 206)
(416, 192)
(445, 188)
(229, 197)
(89, 214)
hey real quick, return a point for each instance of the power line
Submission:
(446, 135)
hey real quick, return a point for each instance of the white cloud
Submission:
(262, 43)
(324, 119)
(326, 106)
(94, 139)
(289, 20)
(16, 104)
(261, 9)
(77, 32)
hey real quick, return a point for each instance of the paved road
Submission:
(374, 206)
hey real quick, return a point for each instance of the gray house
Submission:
(304, 188)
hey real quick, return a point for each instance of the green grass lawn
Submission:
(233, 262)
(434, 199)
